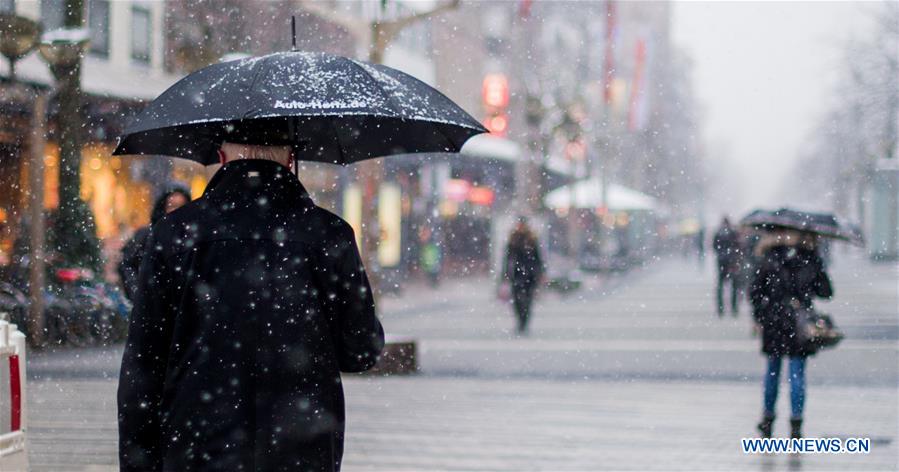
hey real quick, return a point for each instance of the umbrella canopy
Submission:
(823, 224)
(332, 108)
(588, 194)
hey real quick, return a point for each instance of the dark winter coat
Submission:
(133, 251)
(250, 302)
(523, 265)
(787, 278)
(727, 248)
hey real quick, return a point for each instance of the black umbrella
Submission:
(823, 224)
(330, 108)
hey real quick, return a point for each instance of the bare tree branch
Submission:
(399, 23)
(355, 26)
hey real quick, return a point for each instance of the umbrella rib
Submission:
(398, 108)
(387, 97)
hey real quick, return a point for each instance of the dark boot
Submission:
(765, 426)
(796, 428)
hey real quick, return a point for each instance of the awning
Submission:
(588, 194)
(490, 147)
(556, 170)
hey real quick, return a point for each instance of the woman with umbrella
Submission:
(789, 276)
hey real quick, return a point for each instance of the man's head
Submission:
(176, 200)
(521, 223)
(169, 201)
(233, 151)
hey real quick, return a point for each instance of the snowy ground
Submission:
(633, 373)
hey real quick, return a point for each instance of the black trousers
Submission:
(522, 298)
(726, 277)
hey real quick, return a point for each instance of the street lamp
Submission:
(63, 48)
(18, 37)
(73, 233)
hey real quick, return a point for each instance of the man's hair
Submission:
(235, 151)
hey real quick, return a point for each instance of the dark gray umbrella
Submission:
(331, 108)
(823, 224)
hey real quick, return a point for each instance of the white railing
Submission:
(13, 455)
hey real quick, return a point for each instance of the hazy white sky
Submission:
(764, 72)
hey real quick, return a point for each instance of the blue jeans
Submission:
(797, 385)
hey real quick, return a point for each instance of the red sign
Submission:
(495, 91)
(456, 190)
(481, 196)
(497, 124)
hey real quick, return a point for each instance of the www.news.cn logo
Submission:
(806, 445)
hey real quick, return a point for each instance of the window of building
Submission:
(98, 23)
(52, 14)
(141, 34)
(8, 6)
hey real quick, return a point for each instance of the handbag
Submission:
(816, 331)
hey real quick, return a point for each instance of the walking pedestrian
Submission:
(250, 302)
(700, 247)
(431, 257)
(523, 270)
(790, 275)
(133, 251)
(727, 249)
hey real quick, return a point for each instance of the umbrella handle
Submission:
(293, 33)
(292, 135)
(297, 146)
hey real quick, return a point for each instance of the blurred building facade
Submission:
(122, 68)
(598, 92)
(569, 92)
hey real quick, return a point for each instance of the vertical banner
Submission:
(390, 215)
(635, 106)
(609, 59)
(352, 210)
(638, 106)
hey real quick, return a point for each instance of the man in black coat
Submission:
(251, 300)
(727, 248)
(523, 268)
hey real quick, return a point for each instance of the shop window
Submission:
(52, 14)
(98, 23)
(118, 202)
(141, 34)
(51, 176)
